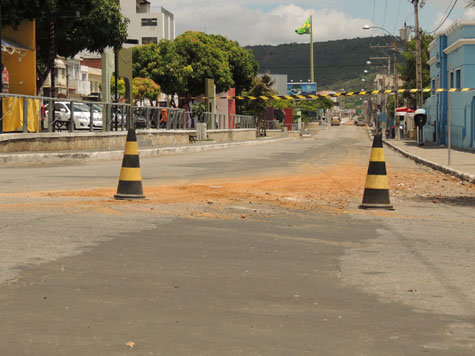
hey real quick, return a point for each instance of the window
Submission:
(150, 22)
(451, 82)
(458, 83)
(84, 77)
(146, 40)
(432, 84)
(61, 73)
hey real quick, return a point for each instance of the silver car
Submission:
(82, 115)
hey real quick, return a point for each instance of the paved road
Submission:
(208, 273)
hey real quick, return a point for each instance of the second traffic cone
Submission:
(376, 192)
(130, 181)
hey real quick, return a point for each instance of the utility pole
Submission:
(384, 100)
(397, 122)
(312, 72)
(419, 95)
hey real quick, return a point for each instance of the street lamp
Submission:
(396, 81)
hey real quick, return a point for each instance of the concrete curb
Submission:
(464, 176)
(51, 157)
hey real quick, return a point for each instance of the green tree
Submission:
(260, 87)
(120, 87)
(99, 26)
(182, 65)
(145, 88)
(283, 104)
(309, 107)
(407, 70)
(163, 64)
(198, 110)
(241, 62)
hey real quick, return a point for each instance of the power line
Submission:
(446, 17)
(374, 14)
(317, 66)
(385, 11)
(397, 16)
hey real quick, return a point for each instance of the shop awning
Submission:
(10, 46)
(405, 109)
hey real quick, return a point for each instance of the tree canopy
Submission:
(407, 70)
(260, 87)
(181, 66)
(145, 88)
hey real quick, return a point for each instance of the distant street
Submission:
(255, 250)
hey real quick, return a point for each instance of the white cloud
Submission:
(440, 17)
(470, 13)
(250, 25)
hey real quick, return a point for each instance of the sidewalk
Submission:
(462, 163)
(104, 154)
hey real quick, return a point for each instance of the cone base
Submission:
(376, 206)
(128, 197)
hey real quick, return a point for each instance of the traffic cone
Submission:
(376, 192)
(130, 181)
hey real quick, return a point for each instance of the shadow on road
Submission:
(452, 200)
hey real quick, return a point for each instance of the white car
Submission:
(82, 116)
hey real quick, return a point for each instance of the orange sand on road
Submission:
(333, 190)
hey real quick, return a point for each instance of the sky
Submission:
(254, 22)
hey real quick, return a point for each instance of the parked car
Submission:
(82, 114)
(359, 122)
(335, 121)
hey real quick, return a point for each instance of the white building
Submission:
(147, 24)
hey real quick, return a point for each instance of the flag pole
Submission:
(312, 73)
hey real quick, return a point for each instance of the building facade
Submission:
(452, 65)
(147, 24)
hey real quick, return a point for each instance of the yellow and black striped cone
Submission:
(130, 181)
(376, 192)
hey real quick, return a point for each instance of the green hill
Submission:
(337, 63)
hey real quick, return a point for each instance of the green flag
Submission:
(305, 29)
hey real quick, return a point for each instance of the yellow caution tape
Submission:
(339, 94)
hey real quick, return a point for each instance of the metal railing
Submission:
(229, 122)
(58, 114)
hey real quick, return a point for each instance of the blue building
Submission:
(452, 65)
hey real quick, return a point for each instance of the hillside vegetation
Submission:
(338, 64)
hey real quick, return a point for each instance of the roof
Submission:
(451, 29)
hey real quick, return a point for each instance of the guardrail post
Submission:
(123, 117)
(91, 117)
(25, 115)
(105, 119)
(71, 117)
(147, 118)
(50, 115)
(131, 124)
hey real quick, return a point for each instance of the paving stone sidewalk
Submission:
(462, 163)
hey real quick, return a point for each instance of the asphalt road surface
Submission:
(256, 250)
